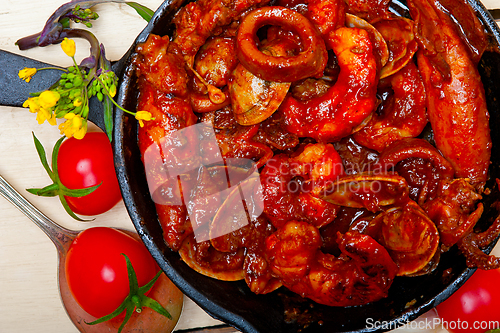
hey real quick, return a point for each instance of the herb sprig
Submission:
(68, 98)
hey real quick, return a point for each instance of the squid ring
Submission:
(308, 63)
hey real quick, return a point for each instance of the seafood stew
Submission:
(282, 310)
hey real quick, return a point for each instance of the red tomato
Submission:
(88, 162)
(475, 306)
(96, 270)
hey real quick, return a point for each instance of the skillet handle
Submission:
(14, 91)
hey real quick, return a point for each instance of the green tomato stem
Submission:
(136, 299)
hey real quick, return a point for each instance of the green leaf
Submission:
(143, 11)
(55, 152)
(130, 311)
(64, 22)
(33, 190)
(69, 211)
(51, 190)
(80, 192)
(107, 103)
(150, 284)
(113, 314)
(43, 156)
(132, 277)
(154, 305)
(57, 188)
(108, 116)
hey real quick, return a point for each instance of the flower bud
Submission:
(68, 46)
(112, 90)
(48, 99)
(77, 102)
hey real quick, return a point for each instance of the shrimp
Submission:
(402, 114)
(456, 102)
(214, 63)
(337, 113)
(258, 275)
(287, 183)
(160, 73)
(362, 273)
(216, 60)
(369, 9)
(326, 15)
(237, 142)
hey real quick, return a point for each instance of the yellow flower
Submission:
(68, 46)
(48, 99)
(42, 114)
(32, 103)
(46, 114)
(82, 131)
(52, 120)
(74, 126)
(77, 102)
(27, 73)
(143, 115)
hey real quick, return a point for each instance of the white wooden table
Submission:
(28, 285)
(27, 257)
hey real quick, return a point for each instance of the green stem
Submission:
(111, 98)
(85, 108)
(59, 68)
(78, 69)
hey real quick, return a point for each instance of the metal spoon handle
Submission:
(60, 236)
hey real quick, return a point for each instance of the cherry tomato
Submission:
(474, 307)
(96, 270)
(85, 163)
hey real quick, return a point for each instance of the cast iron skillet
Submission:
(232, 302)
